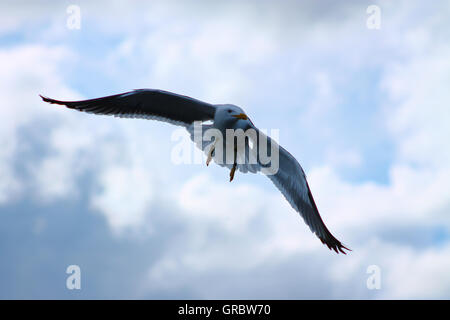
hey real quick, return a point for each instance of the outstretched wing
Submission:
(290, 179)
(148, 104)
(287, 175)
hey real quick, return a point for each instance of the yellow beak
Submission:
(241, 116)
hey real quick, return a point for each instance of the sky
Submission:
(364, 108)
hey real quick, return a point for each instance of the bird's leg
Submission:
(232, 172)
(210, 152)
(234, 165)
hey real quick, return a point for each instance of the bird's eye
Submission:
(229, 111)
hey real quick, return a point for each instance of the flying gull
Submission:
(184, 111)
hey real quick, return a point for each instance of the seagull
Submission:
(185, 111)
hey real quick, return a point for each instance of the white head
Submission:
(228, 114)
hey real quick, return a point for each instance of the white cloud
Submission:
(419, 124)
(418, 275)
(125, 196)
(231, 208)
(26, 71)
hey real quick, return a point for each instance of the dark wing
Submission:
(147, 104)
(291, 181)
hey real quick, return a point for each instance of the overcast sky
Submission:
(365, 111)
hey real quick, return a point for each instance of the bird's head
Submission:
(230, 113)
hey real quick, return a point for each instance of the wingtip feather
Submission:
(46, 99)
(335, 245)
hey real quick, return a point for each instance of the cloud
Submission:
(26, 71)
(125, 196)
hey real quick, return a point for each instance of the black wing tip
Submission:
(335, 245)
(68, 104)
(49, 100)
